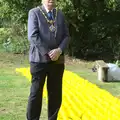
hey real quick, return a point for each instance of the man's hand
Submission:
(55, 54)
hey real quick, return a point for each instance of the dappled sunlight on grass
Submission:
(83, 100)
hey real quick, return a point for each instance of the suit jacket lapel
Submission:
(54, 15)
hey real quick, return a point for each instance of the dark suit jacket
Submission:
(41, 39)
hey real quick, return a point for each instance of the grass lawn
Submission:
(84, 70)
(14, 88)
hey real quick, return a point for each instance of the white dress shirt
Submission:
(47, 9)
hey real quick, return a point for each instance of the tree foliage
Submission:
(94, 24)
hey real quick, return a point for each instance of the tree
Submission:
(93, 24)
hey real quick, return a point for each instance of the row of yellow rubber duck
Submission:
(83, 100)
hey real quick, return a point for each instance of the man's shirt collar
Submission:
(47, 9)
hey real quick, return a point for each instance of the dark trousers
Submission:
(54, 73)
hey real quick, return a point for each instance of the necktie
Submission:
(50, 15)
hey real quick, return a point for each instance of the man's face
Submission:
(49, 3)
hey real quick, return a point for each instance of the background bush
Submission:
(94, 26)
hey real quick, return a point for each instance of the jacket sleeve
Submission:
(33, 33)
(63, 45)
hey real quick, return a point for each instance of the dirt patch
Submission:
(3, 111)
(79, 62)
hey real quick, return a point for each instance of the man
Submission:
(48, 36)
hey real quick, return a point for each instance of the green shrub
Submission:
(14, 39)
(4, 34)
(16, 45)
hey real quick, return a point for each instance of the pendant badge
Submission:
(52, 28)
